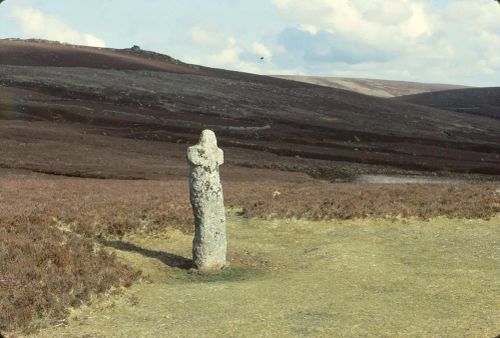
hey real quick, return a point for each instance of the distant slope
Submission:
(476, 101)
(270, 122)
(43, 53)
(373, 87)
(49, 53)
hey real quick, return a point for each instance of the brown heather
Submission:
(51, 259)
(351, 201)
(45, 270)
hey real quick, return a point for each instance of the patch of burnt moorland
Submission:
(473, 101)
(97, 92)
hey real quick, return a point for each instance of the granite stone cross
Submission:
(207, 200)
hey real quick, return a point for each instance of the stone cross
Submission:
(209, 243)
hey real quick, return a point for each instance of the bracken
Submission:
(50, 257)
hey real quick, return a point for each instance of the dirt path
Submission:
(294, 278)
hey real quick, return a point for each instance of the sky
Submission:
(438, 41)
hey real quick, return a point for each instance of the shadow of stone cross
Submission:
(172, 260)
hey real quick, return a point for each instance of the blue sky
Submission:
(417, 40)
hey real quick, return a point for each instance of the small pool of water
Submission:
(393, 179)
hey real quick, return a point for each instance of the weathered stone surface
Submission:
(209, 244)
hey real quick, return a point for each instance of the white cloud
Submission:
(311, 29)
(374, 22)
(37, 24)
(456, 41)
(218, 50)
(260, 49)
(204, 37)
(229, 55)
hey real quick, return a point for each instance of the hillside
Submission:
(96, 225)
(132, 113)
(474, 101)
(373, 87)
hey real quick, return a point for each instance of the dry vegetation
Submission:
(50, 257)
(120, 125)
(374, 87)
(349, 201)
(44, 270)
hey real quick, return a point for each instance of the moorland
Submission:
(95, 221)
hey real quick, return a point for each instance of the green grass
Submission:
(229, 274)
(402, 278)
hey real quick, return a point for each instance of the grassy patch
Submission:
(50, 239)
(344, 278)
(228, 274)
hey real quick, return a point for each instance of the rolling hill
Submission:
(475, 101)
(373, 87)
(108, 113)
